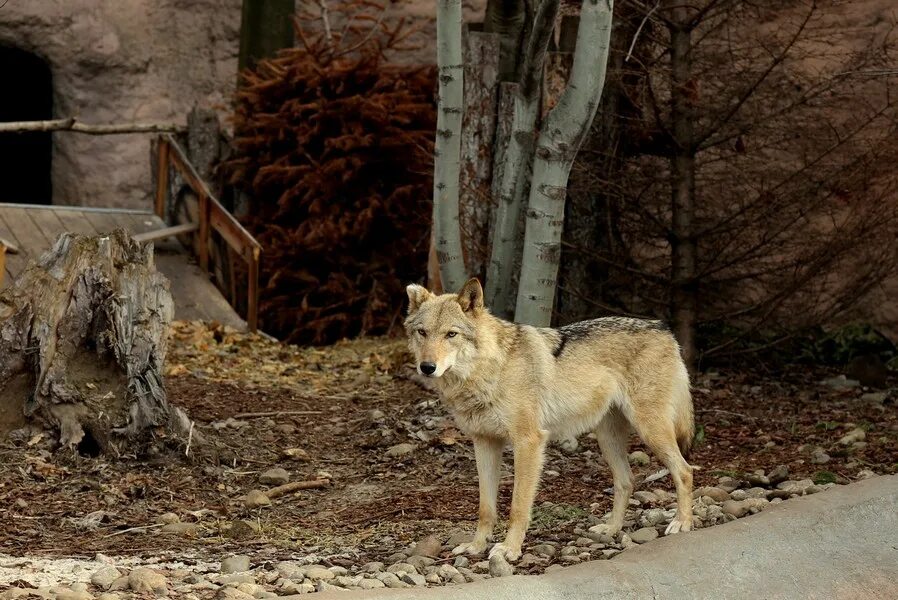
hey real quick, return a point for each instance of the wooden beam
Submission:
(73, 124)
(160, 234)
(9, 246)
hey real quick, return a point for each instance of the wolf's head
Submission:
(442, 330)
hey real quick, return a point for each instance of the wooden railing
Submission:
(212, 217)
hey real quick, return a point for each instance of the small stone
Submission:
(819, 457)
(252, 589)
(338, 570)
(531, 560)
(458, 537)
(645, 497)
(373, 567)
(391, 580)
(727, 484)
(414, 579)
(396, 557)
(400, 450)
(109, 596)
(183, 529)
(371, 584)
(429, 546)
(855, 435)
(447, 571)
(639, 458)
(571, 559)
(499, 567)
(297, 454)
(242, 530)
(401, 567)
(715, 493)
(323, 586)
(122, 583)
(646, 534)
(779, 474)
(345, 581)
(104, 577)
(275, 476)
(239, 563)
(318, 573)
(874, 397)
(795, 487)
(256, 499)
(841, 382)
(420, 562)
(147, 581)
(64, 594)
(289, 570)
(232, 593)
(168, 518)
(461, 561)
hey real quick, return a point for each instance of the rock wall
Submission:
(123, 60)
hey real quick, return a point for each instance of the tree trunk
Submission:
(83, 336)
(447, 149)
(508, 18)
(562, 134)
(481, 58)
(682, 165)
(518, 155)
(266, 26)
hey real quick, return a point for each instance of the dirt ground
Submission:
(338, 413)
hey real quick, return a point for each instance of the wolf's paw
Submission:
(474, 547)
(510, 554)
(677, 526)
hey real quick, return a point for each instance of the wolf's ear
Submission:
(471, 296)
(416, 296)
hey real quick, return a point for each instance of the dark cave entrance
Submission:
(25, 157)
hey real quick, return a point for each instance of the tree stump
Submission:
(83, 335)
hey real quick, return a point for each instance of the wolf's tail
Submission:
(684, 424)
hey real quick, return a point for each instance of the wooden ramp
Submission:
(34, 229)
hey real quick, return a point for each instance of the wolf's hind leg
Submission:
(660, 437)
(612, 434)
(488, 454)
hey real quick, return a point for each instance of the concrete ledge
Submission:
(839, 544)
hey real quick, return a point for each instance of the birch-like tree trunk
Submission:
(513, 186)
(562, 134)
(447, 149)
(682, 164)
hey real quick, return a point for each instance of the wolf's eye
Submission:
(451, 334)
(422, 333)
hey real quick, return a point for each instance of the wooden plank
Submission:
(160, 234)
(102, 222)
(15, 263)
(145, 222)
(36, 240)
(75, 222)
(47, 221)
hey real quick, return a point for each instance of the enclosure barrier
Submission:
(212, 216)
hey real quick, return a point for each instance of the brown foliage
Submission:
(334, 144)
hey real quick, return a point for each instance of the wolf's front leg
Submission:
(488, 454)
(529, 450)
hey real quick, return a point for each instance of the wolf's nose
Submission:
(428, 368)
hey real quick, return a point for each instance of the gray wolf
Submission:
(514, 384)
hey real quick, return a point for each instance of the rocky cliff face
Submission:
(123, 60)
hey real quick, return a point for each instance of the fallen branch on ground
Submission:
(73, 124)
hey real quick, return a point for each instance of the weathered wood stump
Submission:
(83, 336)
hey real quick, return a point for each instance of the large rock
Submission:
(852, 530)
